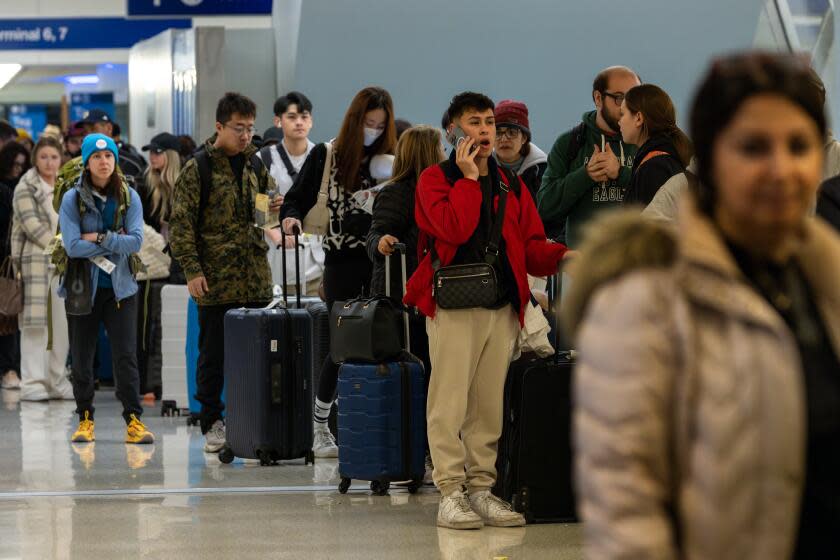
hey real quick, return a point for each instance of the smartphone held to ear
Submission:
(457, 136)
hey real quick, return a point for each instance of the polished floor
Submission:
(170, 500)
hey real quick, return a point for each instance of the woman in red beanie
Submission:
(514, 149)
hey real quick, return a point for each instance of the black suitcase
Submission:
(534, 463)
(320, 330)
(268, 378)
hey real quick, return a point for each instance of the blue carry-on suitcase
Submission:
(268, 378)
(382, 419)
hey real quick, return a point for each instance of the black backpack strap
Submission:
(575, 143)
(205, 179)
(290, 169)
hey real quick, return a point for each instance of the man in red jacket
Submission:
(456, 204)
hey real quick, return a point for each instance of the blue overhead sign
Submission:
(82, 103)
(31, 118)
(81, 33)
(198, 7)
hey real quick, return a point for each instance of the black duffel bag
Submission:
(365, 330)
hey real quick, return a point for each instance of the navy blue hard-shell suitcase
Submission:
(268, 379)
(382, 419)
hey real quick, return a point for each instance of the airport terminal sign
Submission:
(198, 7)
(81, 33)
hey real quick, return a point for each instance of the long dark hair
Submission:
(728, 83)
(660, 117)
(350, 142)
(8, 155)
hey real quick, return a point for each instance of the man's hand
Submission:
(289, 225)
(386, 244)
(90, 237)
(276, 203)
(603, 166)
(466, 159)
(198, 287)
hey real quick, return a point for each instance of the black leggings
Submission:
(342, 281)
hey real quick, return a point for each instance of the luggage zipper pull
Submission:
(339, 321)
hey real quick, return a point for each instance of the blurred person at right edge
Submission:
(514, 148)
(710, 428)
(589, 166)
(366, 136)
(470, 349)
(665, 205)
(649, 121)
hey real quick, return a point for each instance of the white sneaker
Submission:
(455, 512)
(214, 439)
(10, 380)
(495, 511)
(323, 445)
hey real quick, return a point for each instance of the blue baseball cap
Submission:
(97, 143)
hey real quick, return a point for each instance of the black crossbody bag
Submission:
(466, 286)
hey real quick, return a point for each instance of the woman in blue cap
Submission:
(101, 221)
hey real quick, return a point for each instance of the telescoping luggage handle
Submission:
(296, 232)
(399, 248)
(555, 290)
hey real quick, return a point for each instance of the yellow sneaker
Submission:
(137, 432)
(84, 433)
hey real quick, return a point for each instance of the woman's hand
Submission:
(90, 237)
(386, 244)
(289, 225)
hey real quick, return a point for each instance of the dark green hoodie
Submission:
(568, 196)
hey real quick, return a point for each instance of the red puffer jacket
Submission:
(449, 214)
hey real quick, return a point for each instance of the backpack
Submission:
(265, 157)
(68, 177)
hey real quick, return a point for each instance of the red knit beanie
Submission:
(513, 113)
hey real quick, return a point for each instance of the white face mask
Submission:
(371, 135)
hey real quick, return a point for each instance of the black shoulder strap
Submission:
(491, 254)
(290, 169)
(205, 178)
(575, 143)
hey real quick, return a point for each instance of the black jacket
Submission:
(828, 202)
(6, 213)
(393, 214)
(649, 176)
(150, 215)
(532, 177)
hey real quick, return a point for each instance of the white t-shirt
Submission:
(278, 170)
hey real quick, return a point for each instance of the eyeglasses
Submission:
(240, 130)
(618, 97)
(512, 133)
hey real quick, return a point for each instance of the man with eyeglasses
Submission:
(589, 167)
(212, 235)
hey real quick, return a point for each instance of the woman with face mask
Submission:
(42, 371)
(710, 427)
(361, 156)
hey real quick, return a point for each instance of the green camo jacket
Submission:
(226, 248)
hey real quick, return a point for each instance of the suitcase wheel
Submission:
(379, 488)
(414, 486)
(310, 458)
(265, 457)
(226, 455)
(192, 420)
(344, 485)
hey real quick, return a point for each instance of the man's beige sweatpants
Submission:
(470, 351)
